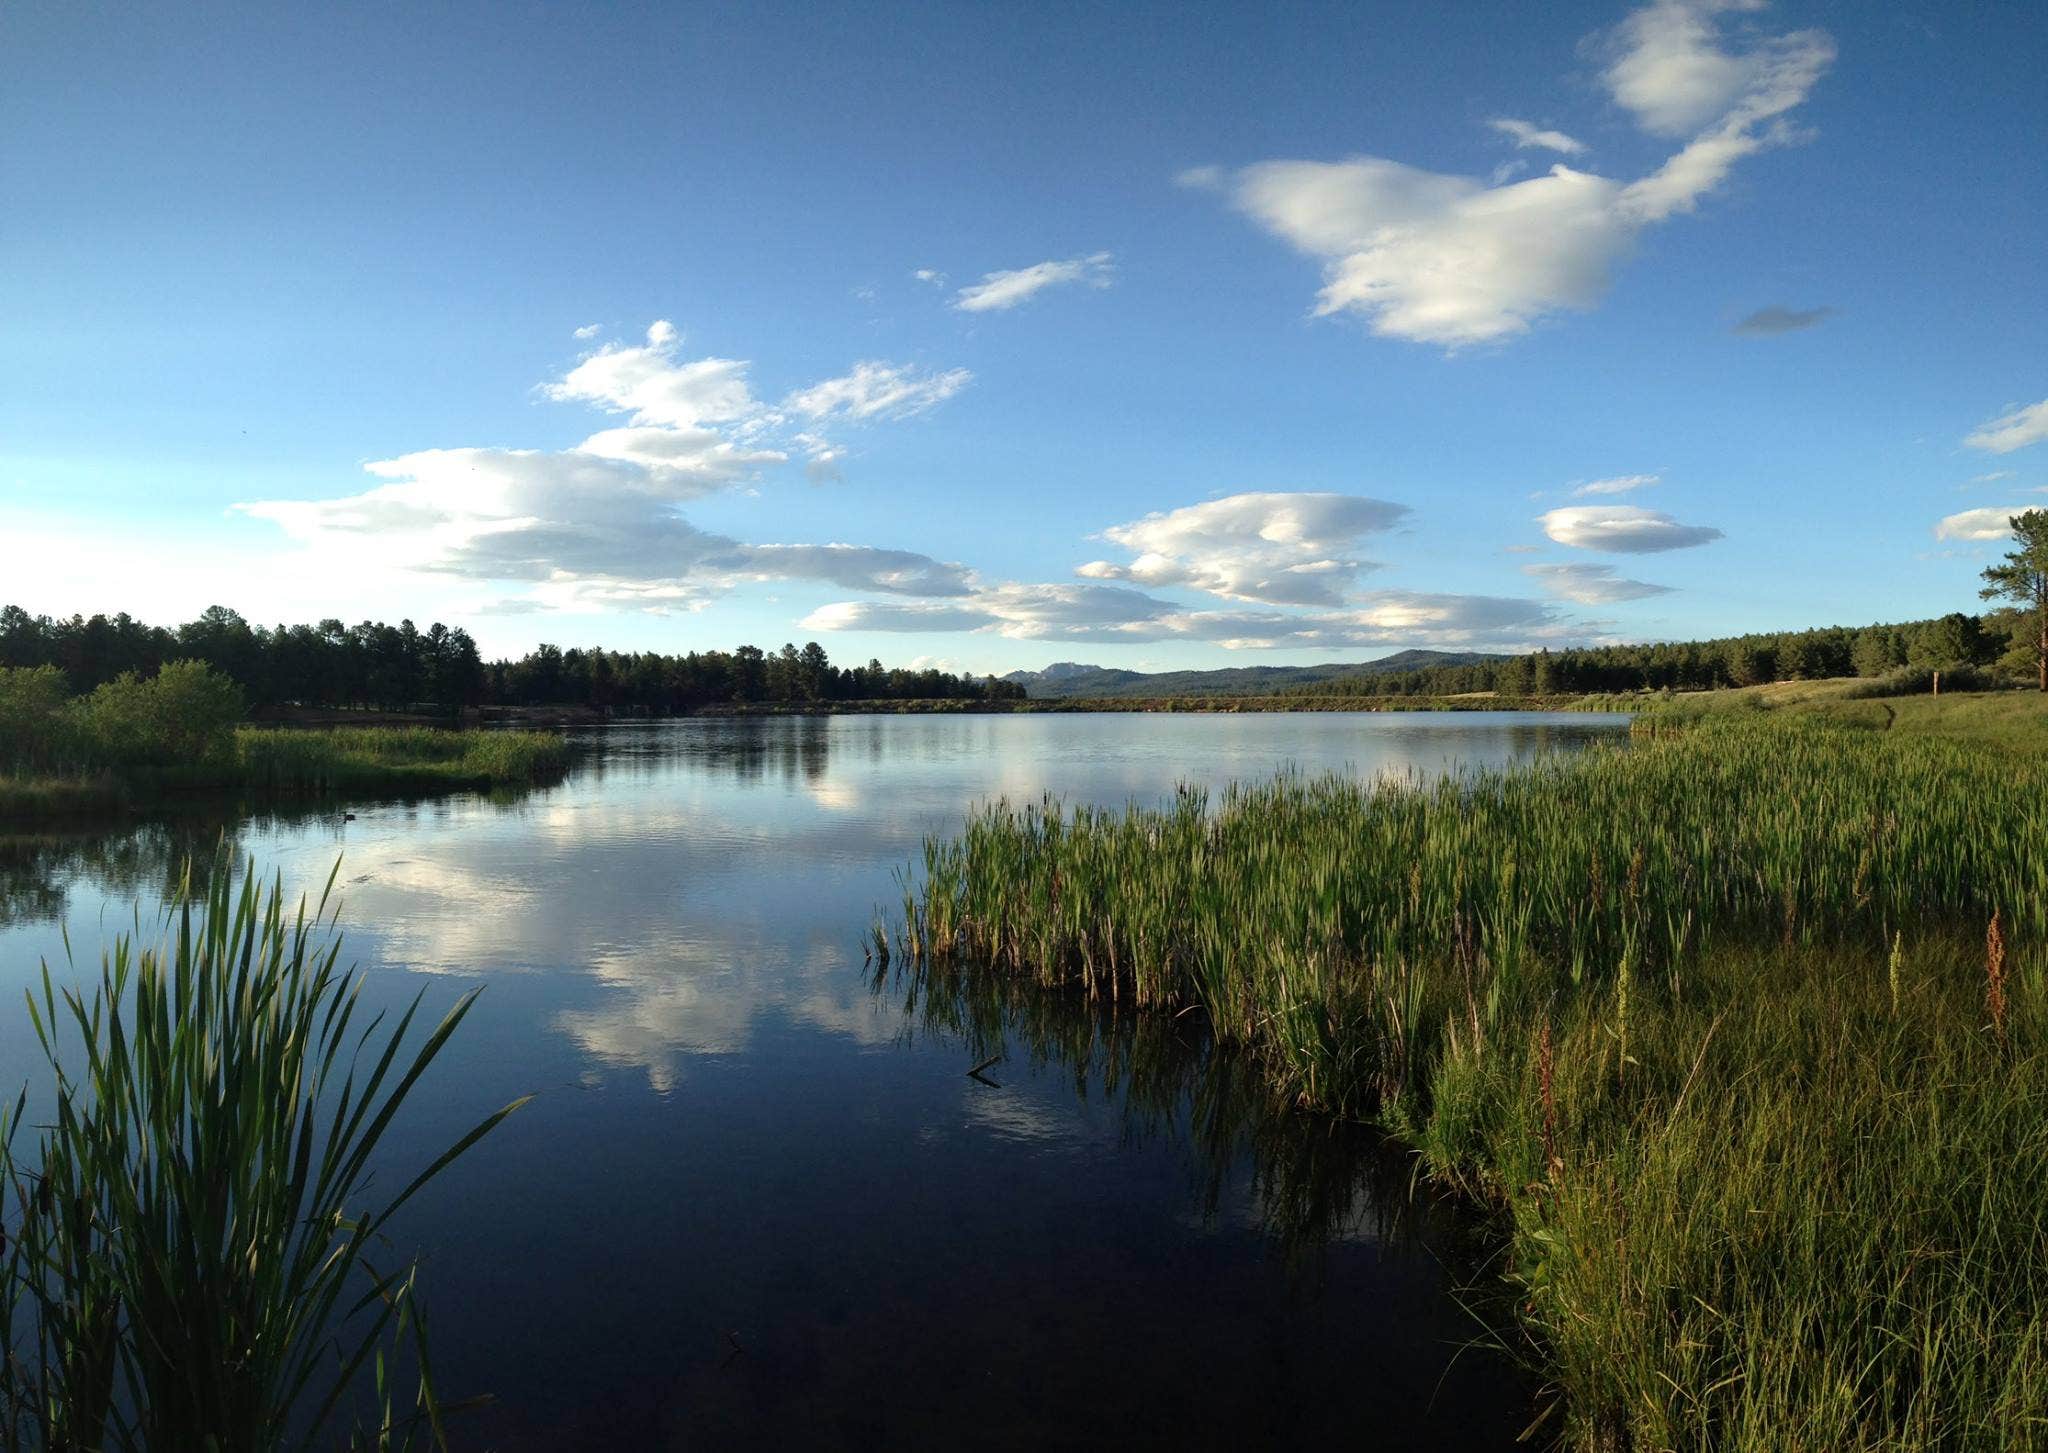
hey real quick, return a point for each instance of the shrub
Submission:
(1919, 681)
(31, 718)
(184, 716)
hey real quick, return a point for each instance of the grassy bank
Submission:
(2017, 719)
(1719, 1023)
(272, 762)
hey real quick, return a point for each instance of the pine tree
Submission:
(2023, 578)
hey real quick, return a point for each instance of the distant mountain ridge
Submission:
(1070, 679)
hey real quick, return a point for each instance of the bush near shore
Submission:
(1742, 1030)
(180, 731)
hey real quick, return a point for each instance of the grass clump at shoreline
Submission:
(1713, 1021)
(193, 1247)
(377, 759)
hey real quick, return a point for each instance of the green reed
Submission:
(194, 1258)
(1783, 1067)
(369, 759)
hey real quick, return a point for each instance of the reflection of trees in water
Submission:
(145, 861)
(751, 749)
(1313, 1179)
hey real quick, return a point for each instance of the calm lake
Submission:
(757, 1199)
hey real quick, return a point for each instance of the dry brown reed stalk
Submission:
(1994, 975)
(1546, 1069)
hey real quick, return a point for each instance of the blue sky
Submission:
(1000, 335)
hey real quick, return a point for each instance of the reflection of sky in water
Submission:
(731, 1128)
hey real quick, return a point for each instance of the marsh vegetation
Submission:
(1740, 1031)
(194, 1251)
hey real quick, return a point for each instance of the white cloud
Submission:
(1982, 524)
(930, 275)
(1671, 70)
(597, 525)
(1449, 259)
(1992, 478)
(1282, 549)
(1592, 584)
(1778, 75)
(1527, 135)
(2015, 430)
(1001, 290)
(589, 331)
(876, 390)
(1622, 529)
(1199, 178)
(656, 387)
(701, 457)
(1442, 259)
(1620, 484)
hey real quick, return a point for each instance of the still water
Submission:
(757, 1199)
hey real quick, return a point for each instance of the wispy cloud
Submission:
(1525, 134)
(1766, 322)
(1592, 584)
(998, 291)
(1619, 484)
(876, 390)
(2015, 430)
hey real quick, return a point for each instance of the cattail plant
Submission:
(189, 1243)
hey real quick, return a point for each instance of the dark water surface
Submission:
(757, 1201)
